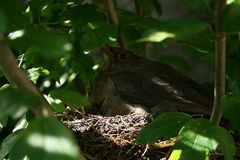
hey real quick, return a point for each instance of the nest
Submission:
(111, 138)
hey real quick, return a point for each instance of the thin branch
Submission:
(17, 77)
(220, 52)
(138, 8)
(113, 17)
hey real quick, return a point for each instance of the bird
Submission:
(128, 83)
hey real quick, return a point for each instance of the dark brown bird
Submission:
(129, 83)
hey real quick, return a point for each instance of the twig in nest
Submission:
(145, 150)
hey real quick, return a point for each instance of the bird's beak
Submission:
(108, 55)
(107, 51)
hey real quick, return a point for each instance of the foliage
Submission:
(197, 137)
(53, 40)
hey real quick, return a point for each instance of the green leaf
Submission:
(166, 126)
(55, 104)
(231, 108)
(9, 142)
(179, 29)
(16, 102)
(83, 64)
(195, 4)
(3, 22)
(98, 37)
(37, 6)
(233, 75)
(196, 140)
(45, 138)
(226, 143)
(157, 31)
(174, 26)
(3, 122)
(199, 137)
(35, 73)
(49, 44)
(34, 58)
(71, 98)
(231, 18)
(130, 35)
(21, 124)
(238, 2)
(155, 36)
(80, 15)
(14, 12)
(176, 62)
(202, 46)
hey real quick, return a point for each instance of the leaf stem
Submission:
(220, 55)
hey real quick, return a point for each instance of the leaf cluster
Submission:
(55, 42)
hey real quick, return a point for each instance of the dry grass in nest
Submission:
(111, 138)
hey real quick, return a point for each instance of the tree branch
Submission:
(17, 77)
(220, 53)
(113, 17)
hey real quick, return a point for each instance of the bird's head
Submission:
(119, 59)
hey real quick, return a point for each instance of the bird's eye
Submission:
(123, 56)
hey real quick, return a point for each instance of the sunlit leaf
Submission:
(21, 124)
(196, 140)
(232, 1)
(199, 137)
(231, 18)
(155, 36)
(98, 37)
(166, 126)
(48, 65)
(16, 102)
(34, 73)
(71, 98)
(55, 104)
(45, 138)
(175, 28)
(231, 108)
(49, 44)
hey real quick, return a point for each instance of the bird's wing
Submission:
(189, 88)
(150, 90)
